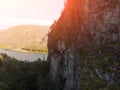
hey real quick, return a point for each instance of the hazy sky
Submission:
(29, 11)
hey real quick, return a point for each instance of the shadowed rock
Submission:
(86, 32)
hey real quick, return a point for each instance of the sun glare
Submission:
(14, 12)
(13, 22)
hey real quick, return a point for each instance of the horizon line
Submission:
(25, 21)
(7, 23)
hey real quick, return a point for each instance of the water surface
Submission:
(24, 56)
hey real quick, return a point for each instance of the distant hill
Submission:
(23, 35)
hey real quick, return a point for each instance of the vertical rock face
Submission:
(84, 46)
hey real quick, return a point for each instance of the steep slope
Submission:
(24, 35)
(84, 46)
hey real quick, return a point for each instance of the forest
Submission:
(23, 75)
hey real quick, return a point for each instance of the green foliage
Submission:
(39, 49)
(20, 75)
(98, 68)
(1, 57)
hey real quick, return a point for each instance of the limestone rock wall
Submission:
(84, 46)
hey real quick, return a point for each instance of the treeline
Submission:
(23, 75)
(39, 49)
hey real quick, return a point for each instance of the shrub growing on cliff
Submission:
(99, 70)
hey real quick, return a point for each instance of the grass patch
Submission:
(39, 49)
(26, 48)
(5, 46)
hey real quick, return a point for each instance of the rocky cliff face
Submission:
(84, 46)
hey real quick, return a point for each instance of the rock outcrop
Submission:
(84, 46)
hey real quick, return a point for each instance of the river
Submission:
(22, 56)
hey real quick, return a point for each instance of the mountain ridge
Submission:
(24, 35)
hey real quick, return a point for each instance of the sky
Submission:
(14, 12)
